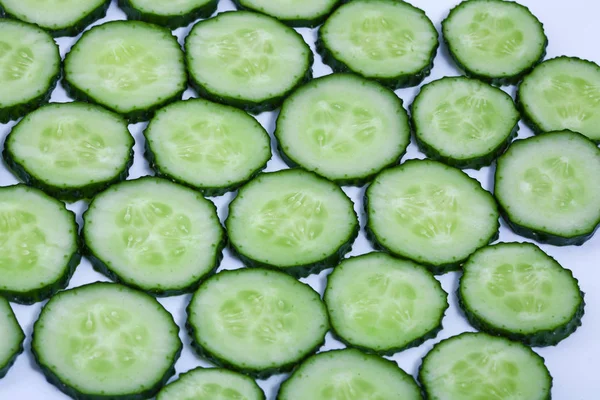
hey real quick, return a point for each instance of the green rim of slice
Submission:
(172, 14)
(12, 337)
(295, 13)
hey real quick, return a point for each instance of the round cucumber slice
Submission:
(173, 14)
(29, 68)
(474, 366)
(297, 13)
(494, 40)
(247, 60)
(548, 188)
(212, 384)
(256, 321)
(39, 245)
(154, 235)
(349, 375)
(105, 340)
(343, 127)
(463, 122)
(70, 150)
(11, 337)
(382, 304)
(59, 17)
(389, 41)
(293, 221)
(518, 291)
(428, 212)
(130, 67)
(562, 93)
(207, 146)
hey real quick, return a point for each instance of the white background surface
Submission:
(572, 28)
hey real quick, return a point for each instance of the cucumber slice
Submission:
(71, 150)
(39, 246)
(247, 60)
(59, 17)
(106, 341)
(474, 366)
(381, 304)
(130, 67)
(297, 13)
(207, 146)
(349, 375)
(494, 40)
(430, 213)
(344, 128)
(11, 337)
(293, 221)
(389, 41)
(518, 291)
(153, 235)
(172, 14)
(29, 68)
(562, 93)
(548, 188)
(256, 321)
(463, 122)
(212, 384)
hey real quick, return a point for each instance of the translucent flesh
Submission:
(343, 126)
(380, 302)
(154, 233)
(11, 335)
(463, 118)
(127, 66)
(380, 38)
(495, 38)
(207, 144)
(291, 9)
(52, 14)
(257, 319)
(551, 183)
(290, 218)
(28, 60)
(246, 55)
(106, 339)
(37, 239)
(479, 366)
(171, 7)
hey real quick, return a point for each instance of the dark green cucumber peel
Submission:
(11, 360)
(297, 22)
(497, 81)
(73, 29)
(170, 21)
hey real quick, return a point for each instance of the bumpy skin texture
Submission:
(77, 27)
(493, 80)
(296, 22)
(4, 368)
(170, 21)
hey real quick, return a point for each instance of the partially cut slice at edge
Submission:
(172, 14)
(11, 337)
(297, 13)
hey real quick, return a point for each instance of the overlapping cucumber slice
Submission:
(308, 13)
(172, 14)
(11, 337)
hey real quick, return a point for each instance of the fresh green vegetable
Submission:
(297, 13)
(11, 337)
(172, 14)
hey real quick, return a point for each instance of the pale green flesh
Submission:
(257, 319)
(106, 339)
(482, 367)
(211, 384)
(495, 38)
(381, 38)
(52, 14)
(246, 55)
(37, 239)
(207, 144)
(343, 126)
(72, 144)
(464, 118)
(290, 218)
(11, 335)
(154, 233)
(291, 9)
(564, 93)
(551, 182)
(382, 303)
(520, 288)
(127, 65)
(430, 212)
(28, 60)
(171, 7)
(349, 375)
